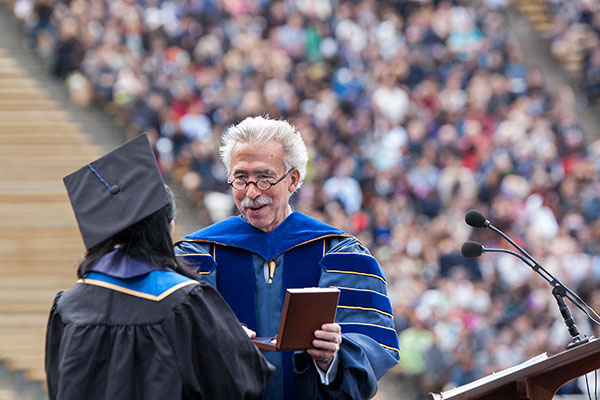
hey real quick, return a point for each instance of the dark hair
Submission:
(148, 240)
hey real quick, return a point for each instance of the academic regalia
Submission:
(130, 329)
(252, 269)
(141, 333)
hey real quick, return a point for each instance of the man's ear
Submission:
(295, 178)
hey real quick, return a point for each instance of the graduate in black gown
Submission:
(137, 324)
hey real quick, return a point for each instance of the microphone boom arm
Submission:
(572, 296)
(559, 290)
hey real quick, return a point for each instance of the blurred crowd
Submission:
(413, 111)
(575, 33)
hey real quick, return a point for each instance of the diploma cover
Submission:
(304, 311)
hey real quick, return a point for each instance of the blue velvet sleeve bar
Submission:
(198, 257)
(369, 341)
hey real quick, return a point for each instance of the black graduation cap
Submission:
(116, 191)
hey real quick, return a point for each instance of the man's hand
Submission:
(326, 345)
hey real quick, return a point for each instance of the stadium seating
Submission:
(482, 116)
(39, 240)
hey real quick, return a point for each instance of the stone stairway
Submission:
(540, 15)
(537, 51)
(39, 239)
(43, 137)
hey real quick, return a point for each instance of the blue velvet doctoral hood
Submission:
(296, 229)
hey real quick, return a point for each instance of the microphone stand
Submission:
(559, 291)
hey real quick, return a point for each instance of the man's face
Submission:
(265, 210)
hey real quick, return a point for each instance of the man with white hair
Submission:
(253, 258)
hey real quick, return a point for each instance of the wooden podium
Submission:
(538, 381)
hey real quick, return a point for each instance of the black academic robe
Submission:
(155, 336)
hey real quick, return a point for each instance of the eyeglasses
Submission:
(262, 184)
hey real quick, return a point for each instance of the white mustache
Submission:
(258, 202)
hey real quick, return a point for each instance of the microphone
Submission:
(472, 249)
(476, 219)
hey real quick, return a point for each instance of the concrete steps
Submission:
(39, 239)
(540, 15)
(43, 137)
